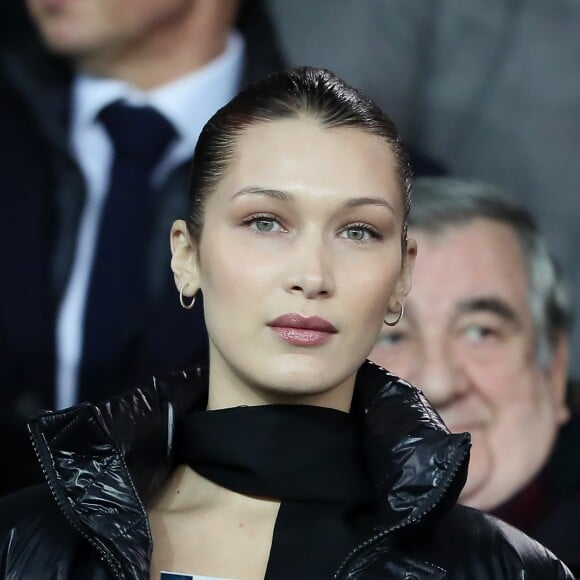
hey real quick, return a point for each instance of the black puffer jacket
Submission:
(103, 462)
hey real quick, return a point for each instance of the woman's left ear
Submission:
(184, 261)
(404, 283)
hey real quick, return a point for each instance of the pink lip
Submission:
(301, 330)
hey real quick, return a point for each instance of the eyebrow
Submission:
(274, 193)
(488, 304)
(287, 197)
(378, 201)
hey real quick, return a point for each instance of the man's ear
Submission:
(558, 378)
(184, 261)
(404, 282)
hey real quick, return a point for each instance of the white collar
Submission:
(188, 102)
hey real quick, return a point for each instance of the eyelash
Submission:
(373, 232)
(261, 216)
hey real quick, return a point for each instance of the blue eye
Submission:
(264, 224)
(356, 234)
(360, 233)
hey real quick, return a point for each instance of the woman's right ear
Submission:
(184, 261)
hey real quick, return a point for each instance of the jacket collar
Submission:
(418, 466)
(103, 462)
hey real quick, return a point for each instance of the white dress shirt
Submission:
(187, 103)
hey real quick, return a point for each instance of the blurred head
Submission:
(101, 35)
(485, 332)
(299, 197)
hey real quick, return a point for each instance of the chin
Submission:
(64, 43)
(67, 38)
(295, 388)
(483, 494)
(476, 488)
(469, 497)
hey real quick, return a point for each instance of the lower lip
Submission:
(302, 336)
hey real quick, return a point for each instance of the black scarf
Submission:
(307, 457)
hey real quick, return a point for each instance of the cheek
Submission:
(236, 275)
(503, 370)
(373, 289)
(399, 359)
(143, 16)
(380, 355)
(366, 298)
(517, 395)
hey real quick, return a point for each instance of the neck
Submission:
(339, 398)
(168, 50)
(186, 490)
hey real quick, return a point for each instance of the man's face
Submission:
(75, 27)
(147, 42)
(467, 340)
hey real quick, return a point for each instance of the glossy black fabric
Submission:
(103, 463)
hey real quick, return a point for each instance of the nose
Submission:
(440, 375)
(309, 269)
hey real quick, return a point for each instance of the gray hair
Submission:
(440, 203)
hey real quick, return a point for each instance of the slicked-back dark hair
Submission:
(293, 93)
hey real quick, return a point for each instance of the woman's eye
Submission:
(359, 233)
(265, 224)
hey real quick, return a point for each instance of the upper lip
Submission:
(294, 320)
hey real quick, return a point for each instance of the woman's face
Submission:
(299, 261)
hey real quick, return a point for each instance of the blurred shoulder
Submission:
(472, 544)
(35, 502)
(31, 524)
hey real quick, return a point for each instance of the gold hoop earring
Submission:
(182, 302)
(401, 312)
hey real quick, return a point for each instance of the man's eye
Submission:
(477, 333)
(391, 339)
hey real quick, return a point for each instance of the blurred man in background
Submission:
(485, 336)
(99, 119)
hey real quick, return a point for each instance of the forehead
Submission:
(296, 154)
(481, 259)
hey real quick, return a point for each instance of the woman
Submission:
(289, 456)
